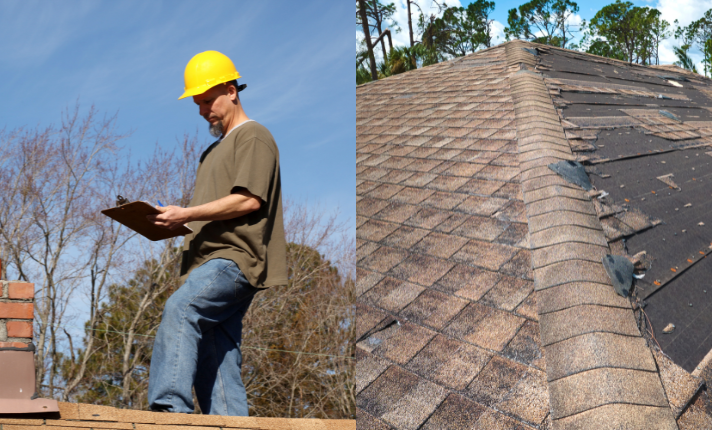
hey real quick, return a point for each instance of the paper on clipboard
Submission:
(133, 215)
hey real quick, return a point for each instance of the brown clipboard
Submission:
(133, 216)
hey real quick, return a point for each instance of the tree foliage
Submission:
(699, 34)
(451, 32)
(459, 31)
(627, 32)
(542, 21)
(117, 373)
(683, 58)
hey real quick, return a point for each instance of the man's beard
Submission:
(216, 130)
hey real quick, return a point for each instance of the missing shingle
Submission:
(532, 51)
(573, 172)
(620, 270)
(673, 77)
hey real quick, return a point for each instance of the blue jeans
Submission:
(198, 343)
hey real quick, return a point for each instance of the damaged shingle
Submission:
(572, 171)
(668, 114)
(620, 270)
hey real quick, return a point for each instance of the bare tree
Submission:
(298, 351)
(50, 235)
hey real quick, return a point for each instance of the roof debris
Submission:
(620, 270)
(572, 171)
(669, 328)
(667, 180)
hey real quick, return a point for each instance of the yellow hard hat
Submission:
(206, 70)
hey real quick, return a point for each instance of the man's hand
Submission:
(171, 217)
(240, 203)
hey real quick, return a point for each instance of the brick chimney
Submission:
(17, 364)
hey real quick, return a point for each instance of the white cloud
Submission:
(497, 33)
(666, 54)
(574, 19)
(685, 11)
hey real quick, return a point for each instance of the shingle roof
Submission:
(460, 220)
(76, 416)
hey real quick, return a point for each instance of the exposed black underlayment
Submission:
(685, 113)
(565, 63)
(666, 244)
(644, 191)
(688, 344)
(678, 250)
(616, 102)
(628, 141)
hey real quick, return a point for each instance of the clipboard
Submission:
(133, 216)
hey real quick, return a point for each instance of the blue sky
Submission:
(129, 56)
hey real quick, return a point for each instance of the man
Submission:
(237, 247)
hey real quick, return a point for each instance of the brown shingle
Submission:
(376, 230)
(491, 256)
(529, 398)
(400, 398)
(528, 307)
(428, 218)
(499, 173)
(496, 380)
(468, 282)
(368, 206)
(481, 187)
(383, 259)
(446, 183)
(421, 269)
(455, 413)
(394, 177)
(571, 322)
(463, 169)
(395, 212)
(365, 280)
(406, 195)
(526, 346)
(368, 368)
(452, 222)
(404, 237)
(392, 294)
(402, 342)
(477, 205)
(508, 293)
(444, 200)
(433, 308)
(598, 387)
(419, 179)
(449, 362)
(368, 319)
(480, 227)
(520, 265)
(384, 191)
(439, 245)
(516, 234)
(484, 326)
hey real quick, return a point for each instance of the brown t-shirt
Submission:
(246, 158)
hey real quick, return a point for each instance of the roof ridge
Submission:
(584, 374)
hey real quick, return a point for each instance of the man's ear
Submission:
(232, 93)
